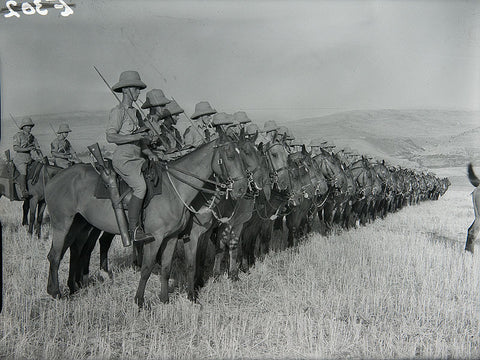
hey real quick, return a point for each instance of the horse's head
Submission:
(316, 177)
(227, 164)
(255, 164)
(277, 158)
(301, 184)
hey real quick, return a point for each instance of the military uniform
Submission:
(199, 133)
(64, 147)
(196, 135)
(127, 158)
(22, 159)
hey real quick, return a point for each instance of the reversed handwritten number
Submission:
(38, 7)
(11, 12)
(27, 9)
(67, 9)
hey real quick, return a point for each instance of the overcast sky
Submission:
(282, 59)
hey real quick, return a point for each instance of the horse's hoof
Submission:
(234, 276)
(140, 302)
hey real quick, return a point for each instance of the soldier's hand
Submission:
(153, 157)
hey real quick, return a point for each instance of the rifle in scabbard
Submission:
(110, 179)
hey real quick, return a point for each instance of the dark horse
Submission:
(71, 202)
(473, 229)
(35, 204)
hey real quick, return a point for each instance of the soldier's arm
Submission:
(18, 148)
(114, 126)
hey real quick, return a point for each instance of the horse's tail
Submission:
(474, 180)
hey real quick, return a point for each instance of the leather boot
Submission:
(136, 232)
(22, 182)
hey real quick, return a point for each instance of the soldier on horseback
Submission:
(27, 149)
(156, 102)
(126, 129)
(61, 149)
(171, 136)
(202, 130)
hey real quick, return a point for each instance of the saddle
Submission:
(152, 173)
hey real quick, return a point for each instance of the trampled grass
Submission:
(401, 287)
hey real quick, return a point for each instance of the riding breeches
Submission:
(127, 162)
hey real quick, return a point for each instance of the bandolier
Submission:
(26, 149)
(61, 149)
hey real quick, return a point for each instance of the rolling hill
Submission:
(426, 138)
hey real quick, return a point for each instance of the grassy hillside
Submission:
(399, 288)
(429, 138)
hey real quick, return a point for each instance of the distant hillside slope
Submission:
(431, 138)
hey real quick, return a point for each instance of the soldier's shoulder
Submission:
(18, 135)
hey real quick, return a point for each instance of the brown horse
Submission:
(71, 195)
(473, 229)
(35, 204)
(271, 163)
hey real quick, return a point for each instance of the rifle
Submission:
(73, 157)
(37, 150)
(129, 115)
(110, 180)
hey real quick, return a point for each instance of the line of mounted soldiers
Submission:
(155, 136)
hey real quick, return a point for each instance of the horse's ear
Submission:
(221, 133)
(304, 150)
(260, 146)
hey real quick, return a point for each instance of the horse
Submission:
(270, 167)
(35, 204)
(473, 229)
(70, 196)
(363, 177)
(313, 184)
(337, 182)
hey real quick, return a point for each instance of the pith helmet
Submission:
(155, 97)
(290, 135)
(129, 79)
(26, 121)
(241, 117)
(251, 129)
(171, 109)
(63, 128)
(203, 108)
(221, 119)
(270, 125)
(282, 130)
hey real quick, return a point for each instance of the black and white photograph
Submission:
(239, 179)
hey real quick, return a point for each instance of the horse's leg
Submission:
(150, 251)
(221, 245)
(73, 270)
(63, 234)
(137, 254)
(234, 238)
(191, 253)
(88, 240)
(25, 208)
(33, 211)
(105, 243)
(166, 266)
(40, 210)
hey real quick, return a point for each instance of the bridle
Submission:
(274, 172)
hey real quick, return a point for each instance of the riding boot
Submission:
(22, 182)
(136, 231)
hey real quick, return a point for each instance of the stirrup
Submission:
(140, 236)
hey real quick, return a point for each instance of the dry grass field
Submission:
(398, 288)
